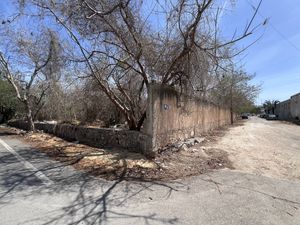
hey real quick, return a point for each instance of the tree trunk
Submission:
(131, 122)
(29, 117)
(231, 105)
(231, 116)
(141, 121)
(135, 124)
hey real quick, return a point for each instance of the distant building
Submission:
(295, 106)
(289, 109)
(282, 110)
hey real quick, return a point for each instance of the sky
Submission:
(275, 58)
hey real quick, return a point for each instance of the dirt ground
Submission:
(111, 164)
(268, 148)
(257, 146)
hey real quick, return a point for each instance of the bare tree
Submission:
(124, 53)
(30, 65)
(234, 91)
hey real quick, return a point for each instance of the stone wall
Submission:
(173, 117)
(96, 137)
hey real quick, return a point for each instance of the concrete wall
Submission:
(282, 110)
(172, 117)
(295, 106)
(95, 137)
(289, 109)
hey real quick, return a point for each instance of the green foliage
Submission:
(250, 108)
(269, 106)
(9, 104)
(235, 91)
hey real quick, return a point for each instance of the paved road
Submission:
(37, 190)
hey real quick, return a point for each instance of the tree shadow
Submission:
(94, 200)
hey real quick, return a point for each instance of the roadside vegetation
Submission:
(87, 61)
(9, 104)
(172, 163)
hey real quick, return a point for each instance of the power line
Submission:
(275, 29)
(284, 37)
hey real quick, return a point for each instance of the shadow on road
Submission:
(93, 201)
(7, 133)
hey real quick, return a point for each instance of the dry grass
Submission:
(106, 163)
(113, 163)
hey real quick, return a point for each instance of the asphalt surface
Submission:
(36, 190)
